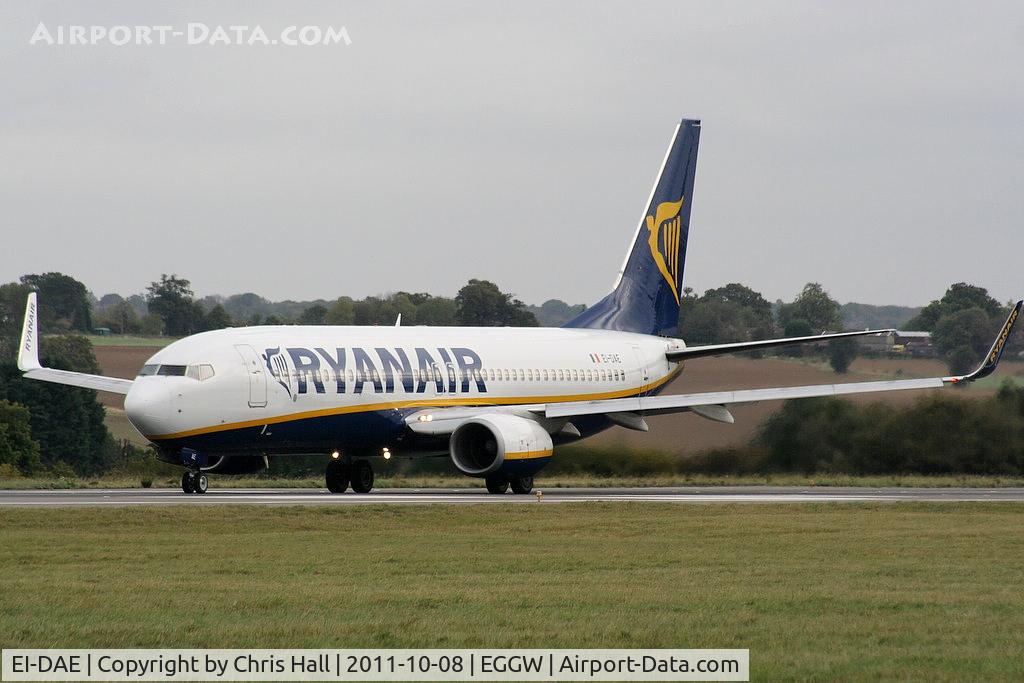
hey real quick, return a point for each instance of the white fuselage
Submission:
(249, 388)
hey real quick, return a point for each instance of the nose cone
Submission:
(148, 407)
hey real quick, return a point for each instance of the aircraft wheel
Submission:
(522, 484)
(202, 484)
(362, 476)
(497, 484)
(337, 476)
(188, 482)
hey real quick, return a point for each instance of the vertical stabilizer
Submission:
(646, 294)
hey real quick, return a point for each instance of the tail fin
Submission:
(645, 297)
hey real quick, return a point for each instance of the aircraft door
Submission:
(645, 374)
(257, 377)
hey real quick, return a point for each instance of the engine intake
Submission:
(499, 444)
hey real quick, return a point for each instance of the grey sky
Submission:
(874, 147)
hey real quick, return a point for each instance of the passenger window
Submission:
(545, 375)
(529, 375)
(522, 375)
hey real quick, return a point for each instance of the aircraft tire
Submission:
(337, 476)
(188, 482)
(202, 484)
(497, 485)
(522, 485)
(362, 476)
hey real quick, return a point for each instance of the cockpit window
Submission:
(198, 372)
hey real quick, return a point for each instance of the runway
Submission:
(703, 494)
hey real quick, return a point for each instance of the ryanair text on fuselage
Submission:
(450, 370)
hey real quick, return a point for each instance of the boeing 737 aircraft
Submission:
(495, 400)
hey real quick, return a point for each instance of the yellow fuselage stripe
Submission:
(417, 403)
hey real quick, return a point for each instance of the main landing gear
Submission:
(194, 482)
(501, 484)
(342, 472)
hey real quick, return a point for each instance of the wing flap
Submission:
(656, 405)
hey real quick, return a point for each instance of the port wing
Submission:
(28, 359)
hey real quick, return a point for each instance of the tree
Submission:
(796, 328)
(108, 300)
(555, 312)
(67, 422)
(374, 311)
(314, 315)
(841, 353)
(481, 303)
(171, 300)
(341, 312)
(437, 310)
(814, 306)
(731, 313)
(963, 337)
(63, 302)
(217, 319)
(120, 318)
(17, 447)
(958, 297)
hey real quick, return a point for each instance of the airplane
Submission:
(496, 401)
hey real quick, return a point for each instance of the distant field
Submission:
(129, 340)
(823, 592)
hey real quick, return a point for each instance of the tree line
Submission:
(45, 426)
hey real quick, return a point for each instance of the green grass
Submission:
(129, 340)
(553, 481)
(820, 592)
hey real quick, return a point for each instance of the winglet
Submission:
(28, 351)
(988, 365)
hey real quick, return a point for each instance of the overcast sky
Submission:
(875, 147)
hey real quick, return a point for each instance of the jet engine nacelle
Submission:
(500, 445)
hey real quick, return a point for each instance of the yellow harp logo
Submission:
(664, 233)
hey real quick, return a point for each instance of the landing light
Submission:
(386, 453)
(335, 455)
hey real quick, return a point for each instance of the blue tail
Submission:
(646, 294)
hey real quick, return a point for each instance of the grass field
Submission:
(129, 340)
(836, 592)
